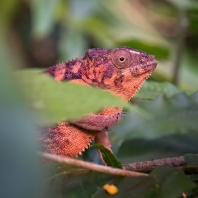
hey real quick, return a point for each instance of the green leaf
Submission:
(171, 181)
(73, 183)
(191, 159)
(82, 9)
(108, 156)
(175, 115)
(67, 49)
(43, 17)
(6, 12)
(84, 183)
(151, 90)
(139, 149)
(185, 4)
(139, 187)
(163, 182)
(54, 101)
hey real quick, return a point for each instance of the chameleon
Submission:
(120, 71)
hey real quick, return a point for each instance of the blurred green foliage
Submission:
(54, 101)
(45, 32)
(40, 33)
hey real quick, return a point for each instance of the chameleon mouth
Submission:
(149, 65)
(152, 63)
(145, 67)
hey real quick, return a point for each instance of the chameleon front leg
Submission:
(98, 122)
(103, 138)
(102, 124)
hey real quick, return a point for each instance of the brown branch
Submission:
(148, 166)
(130, 170)
(90, 166)
(185, 169)
(174, 161)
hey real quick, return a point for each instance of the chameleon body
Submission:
(120, 71)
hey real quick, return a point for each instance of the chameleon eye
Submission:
(121, 58)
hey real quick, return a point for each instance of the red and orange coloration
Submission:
(120, 71)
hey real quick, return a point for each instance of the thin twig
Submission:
(174, 161)
(148, 166)
(90, 166)
(185, 169)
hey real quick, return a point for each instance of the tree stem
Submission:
(182, 27)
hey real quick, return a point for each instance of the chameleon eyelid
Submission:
(121, 58)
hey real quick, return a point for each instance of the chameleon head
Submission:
(138, 62)
(121, 71)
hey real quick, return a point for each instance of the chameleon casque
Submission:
(120, 71)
